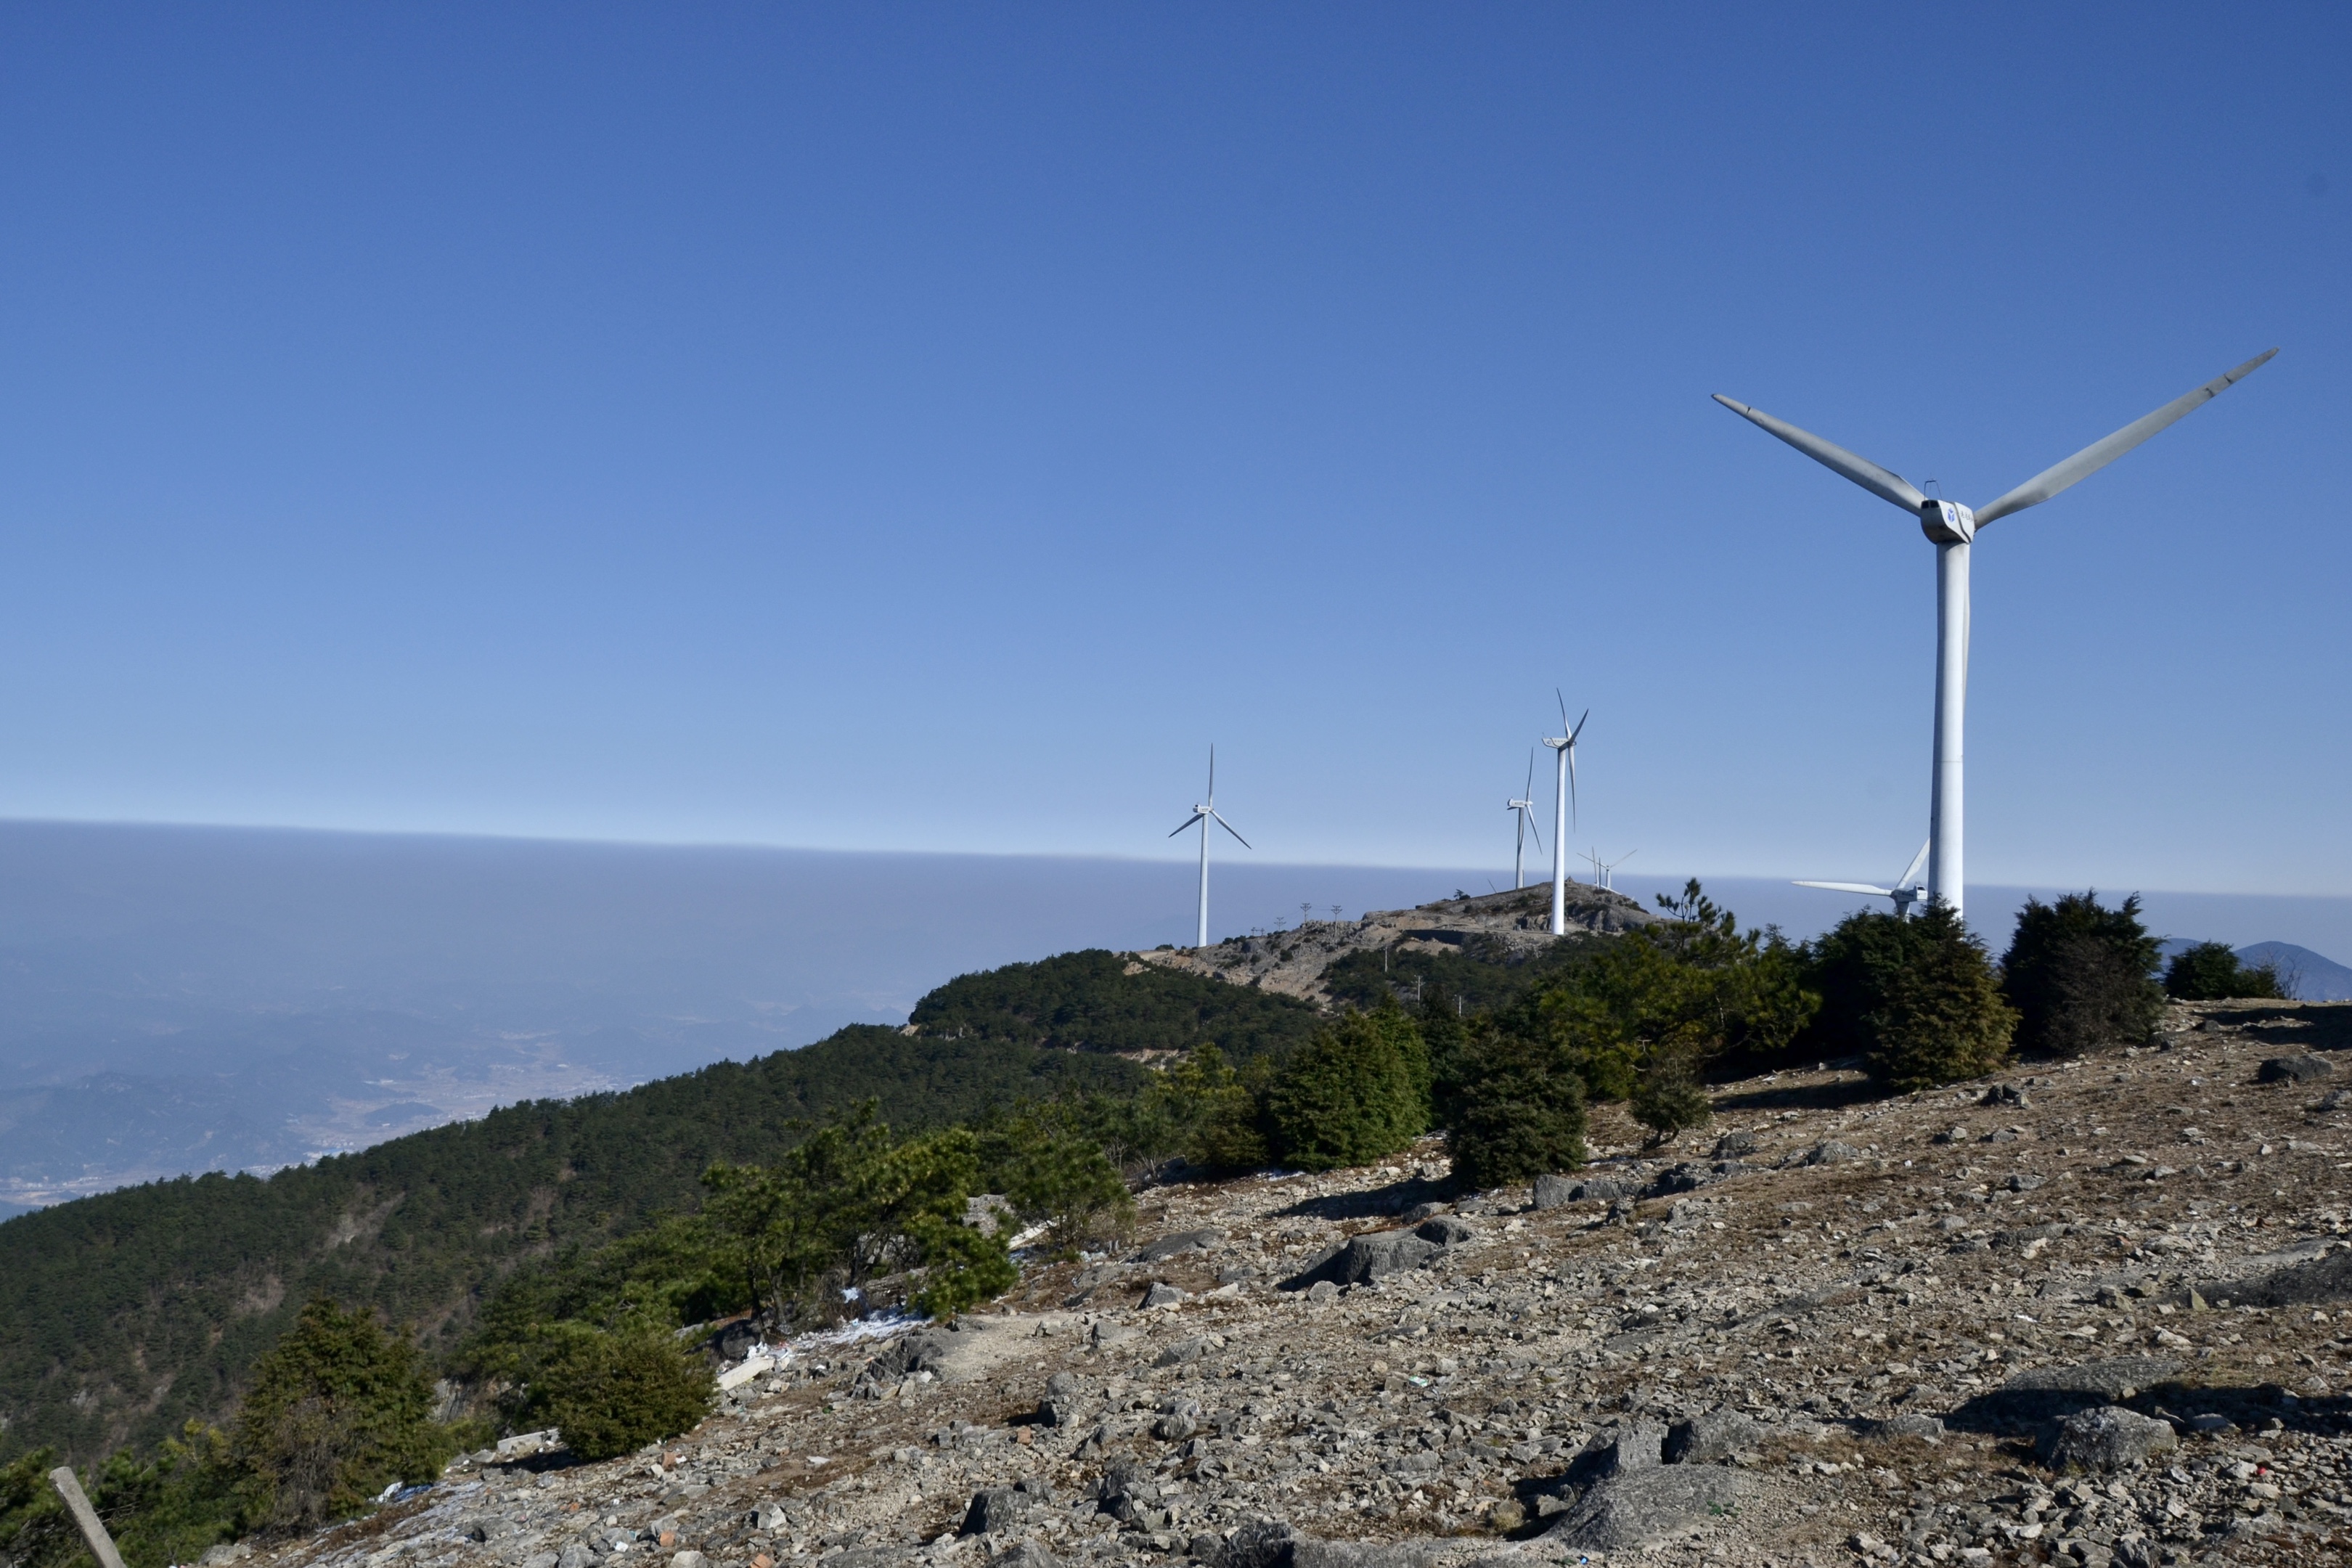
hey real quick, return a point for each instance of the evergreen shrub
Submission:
(1358, 1091)
(2079, 975)
(2210, 971)
(1917, 999)
(611, 1394)
(338, 1410)
(1668, 1097)
(1521, 1112)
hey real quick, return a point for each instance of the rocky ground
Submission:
(2088, 1313)
(1293, 962)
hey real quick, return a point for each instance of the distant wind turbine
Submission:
(1525, 808)
(1905, 892)
(1604, 872)
(1563, 803)
(1205, 813)
(1951, 528)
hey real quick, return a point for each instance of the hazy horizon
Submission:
(181, 998)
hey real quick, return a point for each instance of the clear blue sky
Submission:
(930, 426)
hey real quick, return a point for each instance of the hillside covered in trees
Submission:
(124, 1315)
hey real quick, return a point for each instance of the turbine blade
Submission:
(1911, 875)
(2099, 454)
(1563, 708)
(1884, 483)
(1530, 789)
(1848, 888)
(1533, 831)
(1572, 786)
(1185, 823)
(1213, 773)
(1229, 828)
(1572, 734)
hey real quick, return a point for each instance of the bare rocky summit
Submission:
(1510, 926)
(2090, 1313)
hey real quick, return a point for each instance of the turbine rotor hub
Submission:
(1946, 522)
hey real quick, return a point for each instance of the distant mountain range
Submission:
(2311, 976)
(2314, 978)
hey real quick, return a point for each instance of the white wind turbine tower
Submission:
(1950, 527)
(1525, 808)
(1563, 799)
(1205, 813)
(1907, 889)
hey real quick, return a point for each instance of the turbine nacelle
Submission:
(1946, 522)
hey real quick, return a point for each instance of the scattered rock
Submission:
(1554, 1191)
(1183, 1352)
(2110, 1438)
(1163, 1294)
(2007, 1094)
(1732, 1145)
(2294, 1069)
(2020, 1182)
(1831, 1153)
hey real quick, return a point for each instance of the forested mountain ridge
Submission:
(123, 1315)
(1102, 1001)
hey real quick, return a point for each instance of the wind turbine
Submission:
(1525, 808)
(1907, 889)
(1604, 872)
(1563, 797)
(1950, 527)
(1204, 815)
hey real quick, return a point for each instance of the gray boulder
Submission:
(2293, 1069)
(994, 1510)
(1365, 1258)
(1732, 1145)
(1639, 1446)
(2119, 1377)
(1163, 1294)
(2108, 1438)
(1031, 1553)
(1710, 1438)
(575, 1555)
(1307, 1552)
(1928, 1428)
(1554, 1191)
(1832, 1152)
(1258, 1543)
(1631, 1509)
(1274, 1544)
(1183, 1353)
(1183, 1241)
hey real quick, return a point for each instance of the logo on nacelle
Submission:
(1947, 521)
